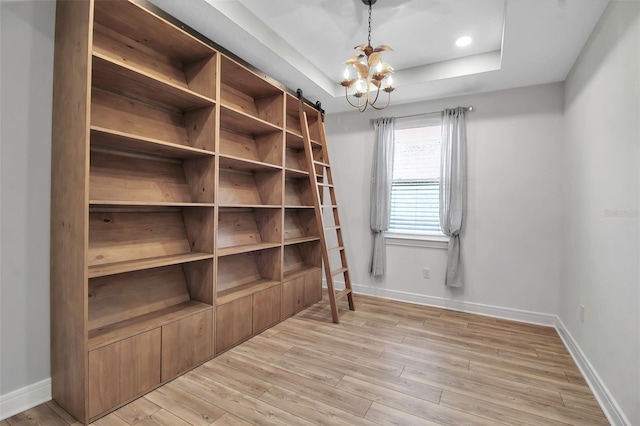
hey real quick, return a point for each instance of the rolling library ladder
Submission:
(318, 184)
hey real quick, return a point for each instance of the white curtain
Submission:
(453, 188)
(381, 177)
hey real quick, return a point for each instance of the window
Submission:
(415, 192)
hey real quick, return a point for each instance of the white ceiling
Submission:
(304, 43)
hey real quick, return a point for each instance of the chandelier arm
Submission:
(381, 108)
(346, 95)
(377, 94)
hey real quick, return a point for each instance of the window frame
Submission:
(395, 238)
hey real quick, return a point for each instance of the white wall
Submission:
(602, 160)
(511, 246)
(27, 33)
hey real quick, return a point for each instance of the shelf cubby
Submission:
(125, 239)
(114, 140)
(300, 226)
(243, 230)
(295, 157)
(258, 148)
(300, 259)
(244, 274)
(297, 193)
(293, 120)
(127, 304)
(117, 113)
(293, 116)
(128, 178)
(150, 54)
(245, 91)
(252, 188)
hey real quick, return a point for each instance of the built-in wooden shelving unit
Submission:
(182, 213)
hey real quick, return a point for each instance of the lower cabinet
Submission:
(128, 368)
(312, 287)
(234, 323)
(186, 343)
(292, 296)
(242, 318)
(266, 308)
(300, 292)
(122, 370)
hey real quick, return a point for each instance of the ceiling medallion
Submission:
(371, 74)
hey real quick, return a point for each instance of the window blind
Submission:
(415, 193)
(415, 207)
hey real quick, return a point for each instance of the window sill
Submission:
(416, 240)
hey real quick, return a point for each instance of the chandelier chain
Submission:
(369, 38)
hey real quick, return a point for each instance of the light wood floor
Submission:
(388, 363)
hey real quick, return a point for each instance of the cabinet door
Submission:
(312, 287)
(266, 308)
(122, 370)
(186, 343)
(233, 323)
(104, 379)
(139, 364)
(292, 296)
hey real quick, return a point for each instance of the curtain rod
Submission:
(468, 108)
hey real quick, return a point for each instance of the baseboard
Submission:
(24, 398)
(457, 305)
(607, 402)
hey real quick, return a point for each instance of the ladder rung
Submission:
(338, 271)
(332, 228)
(343, 293)
(336, 249)
(327, 185)
(326, 206)
(320, 163)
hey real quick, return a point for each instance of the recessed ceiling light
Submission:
(463, 41)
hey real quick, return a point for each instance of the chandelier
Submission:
(371, 74)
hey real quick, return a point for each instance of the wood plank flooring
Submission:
(387, 363)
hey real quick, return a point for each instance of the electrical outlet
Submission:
(581, 313)
(426, 273)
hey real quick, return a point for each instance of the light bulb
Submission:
(379, 67)
(390, 81)
(359, 85)
(346, 73)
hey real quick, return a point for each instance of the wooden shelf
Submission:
(239, 121)
(155, 33)
(241, 164)
(245, 273)
(294, 273)
(254, 188)
(297, 193)
(294, 139)
(295, 174)
(243, 90)
(116, 140)
(140, 264)
(244, 230)
(299, 240)
(146, 203)
(266, 148)
(239, 292)
(120, 76)
(120, 177)
(112, 333)
(300, 258)
(122, 241)
(228, 251)
(300, 225)
(138, 119)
